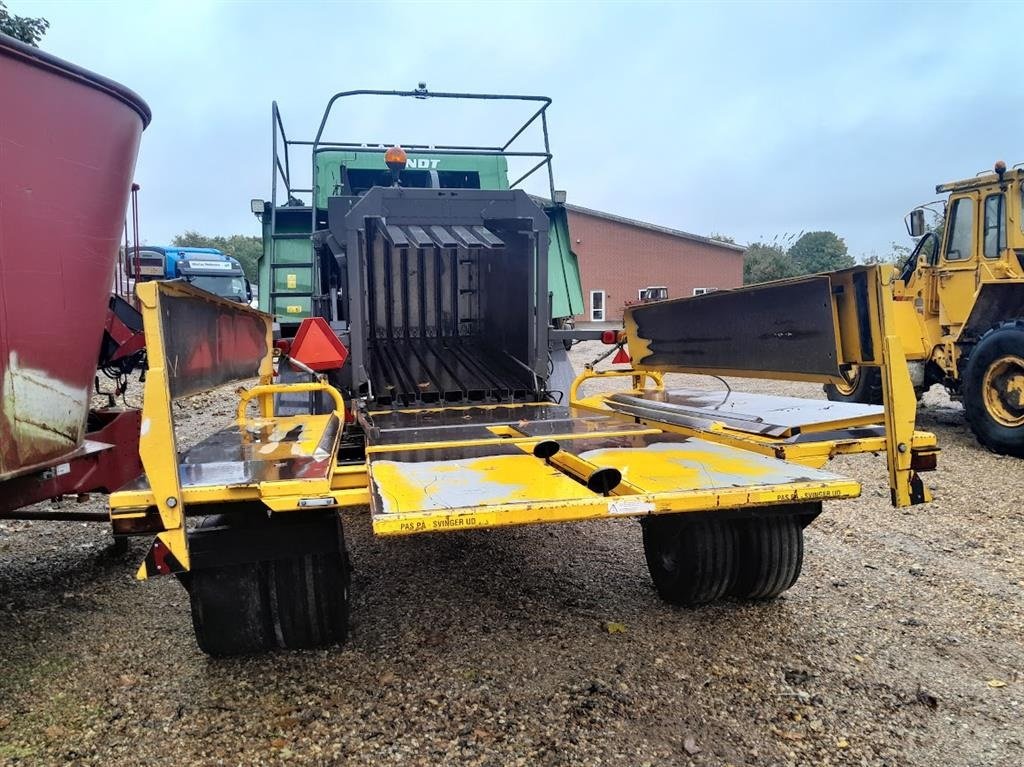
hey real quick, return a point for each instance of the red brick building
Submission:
(619, 257)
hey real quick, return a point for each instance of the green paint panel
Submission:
(295, 280)
(293, 252)
(563, 268)
(492, 169)
(289, 309)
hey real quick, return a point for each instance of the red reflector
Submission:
(621, 357)
(610, 337)
(316, 345)
(283, 344)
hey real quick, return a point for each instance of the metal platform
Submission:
(263, 450)
(548, 463)
(764, 414)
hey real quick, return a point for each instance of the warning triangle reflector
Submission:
(316, 345)
(621, 357)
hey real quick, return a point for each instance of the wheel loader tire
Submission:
(290, 603)
(691, 559)
(993, 389)
(769, 556)
(864, 386)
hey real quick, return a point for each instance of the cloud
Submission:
(749, 119)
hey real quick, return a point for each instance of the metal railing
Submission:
(282, 146)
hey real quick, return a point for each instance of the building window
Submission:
(597, 305)
(654, 293)
(702, 291)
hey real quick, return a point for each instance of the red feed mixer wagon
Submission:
(68, 144)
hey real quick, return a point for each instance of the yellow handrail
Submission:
(266, 391)
(636, 375)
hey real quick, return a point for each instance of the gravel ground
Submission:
(900, 644)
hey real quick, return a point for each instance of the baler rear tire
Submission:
(229, 610)
(291, 603)
(309, 598)
(691, 559)
(769, 556)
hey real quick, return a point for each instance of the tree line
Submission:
(793, 255)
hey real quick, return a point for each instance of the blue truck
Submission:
(205, 268)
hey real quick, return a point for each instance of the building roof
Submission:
(645, 225)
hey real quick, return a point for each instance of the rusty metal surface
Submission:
(784, 328)
(68, 143)
(106, 460)
(209, 343)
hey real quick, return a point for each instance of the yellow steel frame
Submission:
(349, 485)
(158, 446)
(901, 443)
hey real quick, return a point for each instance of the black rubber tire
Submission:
(308, 599)
(769, 555)
(229, 610)
(867, 391)
(692, 560)
(298, 602)
(1007, 338)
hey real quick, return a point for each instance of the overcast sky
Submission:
(753, 120)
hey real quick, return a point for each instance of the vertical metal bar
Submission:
(274, 118)
(542, 311)
(547, 151)
(135, 235)
(404, 274)
(438, 293)
(386, 294)
(453, 328)
(421, 258)
(358, 246)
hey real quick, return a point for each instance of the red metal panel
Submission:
(108, 459)
(68, 143)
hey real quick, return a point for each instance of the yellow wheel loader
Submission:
(960, 299)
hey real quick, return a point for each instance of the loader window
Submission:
(995, 226)
(961, 230)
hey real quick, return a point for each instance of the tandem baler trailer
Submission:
(422, 388)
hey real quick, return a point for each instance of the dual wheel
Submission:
(694, 559)
(296, 601)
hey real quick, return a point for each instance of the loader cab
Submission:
(979, 239)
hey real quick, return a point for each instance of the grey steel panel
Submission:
(487, 237)
(466, 237)
(755, 413)
(417, 236)
(442, 237)
(782, 328)
(396, 236)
